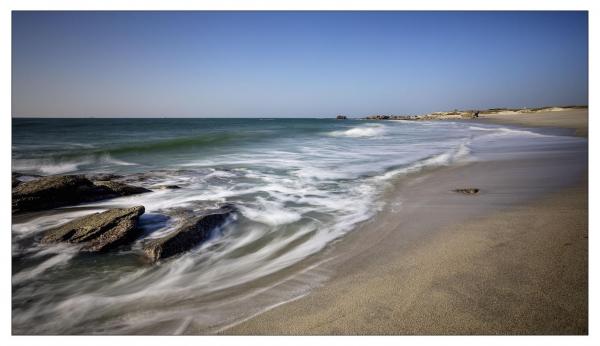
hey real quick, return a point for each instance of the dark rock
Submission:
(189, 235)
(103, 176)
(385, 117)
(57, 191)
(168, 187)
(99, 231)
(50, 192)
(181, 213)
(469, 191)
(120, 189)
(15, 181)
(341, 117)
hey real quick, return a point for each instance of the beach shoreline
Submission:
(576, 120)
(510, 260)
(573, 118)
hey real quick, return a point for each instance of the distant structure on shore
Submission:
(470, 114)
(341, 117)
(456, 114)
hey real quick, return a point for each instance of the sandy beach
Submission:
(576, 119)
(512, 259)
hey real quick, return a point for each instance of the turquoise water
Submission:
(299, 185)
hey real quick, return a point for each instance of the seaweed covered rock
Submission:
(99, 231)
(119, 189)
(57, 191)
(189, 235)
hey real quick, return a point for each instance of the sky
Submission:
(294, 64)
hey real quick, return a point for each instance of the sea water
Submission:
(299, 185)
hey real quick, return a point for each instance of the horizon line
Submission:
(274, 117)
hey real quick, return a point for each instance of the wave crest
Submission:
(361, 131)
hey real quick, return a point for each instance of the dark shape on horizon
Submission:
(341, 117)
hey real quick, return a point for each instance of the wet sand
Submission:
(512, 259)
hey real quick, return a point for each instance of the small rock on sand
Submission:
(468, 191)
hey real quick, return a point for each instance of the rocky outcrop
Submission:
(103, 176)
(341, 117)
(392, 117)
(189, 235)
(57, 191)
(119, 189)
(100, 231)
(456, 114)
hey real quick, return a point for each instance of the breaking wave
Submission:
(361, 131)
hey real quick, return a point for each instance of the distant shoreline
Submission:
(473, 113)
(571, 117)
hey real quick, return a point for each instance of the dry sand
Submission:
(574, 119)
(512, 259)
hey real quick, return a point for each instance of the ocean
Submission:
(299, 184)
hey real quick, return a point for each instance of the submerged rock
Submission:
(57, 191)
(99, 231)
(167, 187)
(189, 235)
(469, 191)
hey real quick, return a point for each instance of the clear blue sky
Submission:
(304, 64)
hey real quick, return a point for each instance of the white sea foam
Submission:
(360, 131)
(270, 213)
(504, 131)
(47, 167)
(62, 255)
(460, 153)
(38, 224)
(106, 158)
